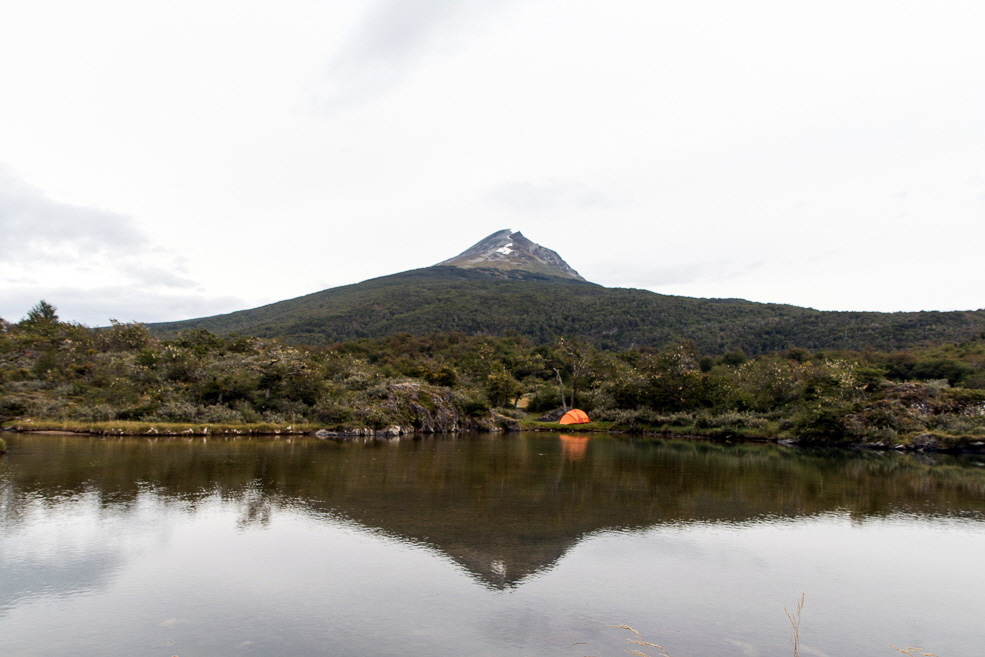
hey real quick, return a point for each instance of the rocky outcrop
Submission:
(410, 408)
(393, 431)
(552, 416)
(511, 251)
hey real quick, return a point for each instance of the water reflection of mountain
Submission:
(502, 507)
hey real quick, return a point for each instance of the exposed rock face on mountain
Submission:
(511, 251)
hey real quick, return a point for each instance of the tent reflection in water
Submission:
(575, 416)
(573, 448)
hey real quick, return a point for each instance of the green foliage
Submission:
(124, 337)
(543, 309)
(821, 422)
(502, 389)
(200, 341)
(475, 406)
(546, 397)
(734, 358)
(947, 369)
(40, 316)
(61, 372)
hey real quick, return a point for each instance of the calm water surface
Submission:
(489, 545)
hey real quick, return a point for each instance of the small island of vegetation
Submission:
(57, 375)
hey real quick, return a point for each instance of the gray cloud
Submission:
(126, 303)
(528, 197)
(158, 276)
(31, 222)
(38, 235)
(391, 41)
(43, 575)
(392, 31)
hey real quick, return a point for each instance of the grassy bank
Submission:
(751, 427)
(131, 428)
(683, 426)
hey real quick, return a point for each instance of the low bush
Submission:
(62, 372)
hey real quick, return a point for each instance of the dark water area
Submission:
(527, 544)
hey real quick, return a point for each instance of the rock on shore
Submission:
(411, 408)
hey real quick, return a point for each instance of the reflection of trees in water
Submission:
(255, 509)
(504, 507)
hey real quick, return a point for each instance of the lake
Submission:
(517, 545)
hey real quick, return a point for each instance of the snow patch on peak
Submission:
(509, 250)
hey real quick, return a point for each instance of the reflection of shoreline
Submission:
(503, 508)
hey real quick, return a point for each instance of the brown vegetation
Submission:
(122, 379)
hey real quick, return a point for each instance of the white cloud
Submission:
(92, 264)
(819, 153)
(34, 225)
(391, 40)
(533, 198)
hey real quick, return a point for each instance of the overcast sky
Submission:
(174, 159)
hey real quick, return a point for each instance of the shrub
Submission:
(43, 407)
(734, 358)
(373, 417)
(247, 412)
(176, 411)
(595, 401)
(821, 422)
(475, 406)
(333, 412)
(545, 398)
(137, 412)
(123, 337)
(12, 406)
(941, 368)
(727, 420)
(218, 414)
(957, 424)
(94, 413)
(200, 341)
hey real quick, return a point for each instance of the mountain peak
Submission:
(510, 250)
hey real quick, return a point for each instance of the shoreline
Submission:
(924, 443)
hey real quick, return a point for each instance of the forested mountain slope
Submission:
(543, 307)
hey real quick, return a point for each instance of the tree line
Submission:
(545, 308)
(54, 370)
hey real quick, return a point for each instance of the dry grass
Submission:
(794, 618)
(137, 428)
(640, 642)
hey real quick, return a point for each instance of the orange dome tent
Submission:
(575, 416)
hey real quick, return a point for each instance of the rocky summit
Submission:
(509, 250)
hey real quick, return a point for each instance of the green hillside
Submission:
(543, 307)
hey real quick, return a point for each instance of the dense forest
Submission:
(56, 374)
(544, 308)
